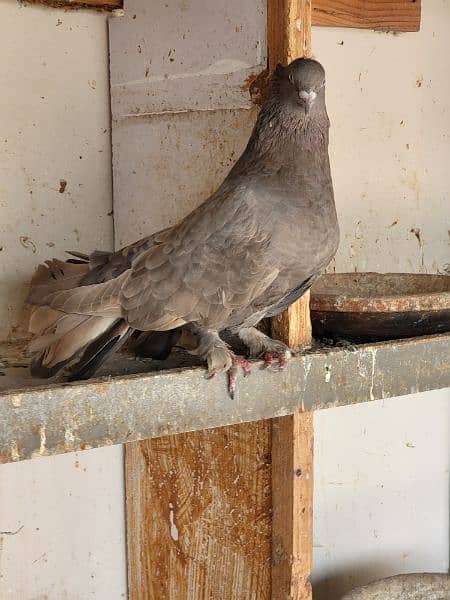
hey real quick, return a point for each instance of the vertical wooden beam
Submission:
(292, 477)
(288, 30)
(292, 498)
(289, 37)
(293, 326)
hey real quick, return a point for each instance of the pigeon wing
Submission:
(209, 267)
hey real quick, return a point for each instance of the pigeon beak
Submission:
(308, 99)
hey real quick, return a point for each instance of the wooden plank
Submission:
(198, 515)
(289, 37)
(44, 420)
(288, 30)
(109, 5)
(392, 15)
(292, 500)
(293, 326)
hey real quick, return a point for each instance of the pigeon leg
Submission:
(268, 359)
(260, 344)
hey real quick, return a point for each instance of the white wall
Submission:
(54, 108)
(54, 125)
(180, 102)
(388, 100)
(68, 514)
(382, 470)
(381, 491)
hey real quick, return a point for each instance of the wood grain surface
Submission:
(283, 15)
(292, 499)
(392, 15)
(198, 515)
(289, 37)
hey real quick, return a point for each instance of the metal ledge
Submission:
(47, 420)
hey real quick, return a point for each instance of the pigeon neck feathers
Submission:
(284, 137)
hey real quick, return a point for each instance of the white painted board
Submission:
(187, 55)
(181, 107)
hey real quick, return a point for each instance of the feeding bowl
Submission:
(369, 307)
(413, 586)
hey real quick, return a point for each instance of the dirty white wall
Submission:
(180, 104)
(382, 470)
(388, 99)
(381, 491)
(55, 125)
(62, 528)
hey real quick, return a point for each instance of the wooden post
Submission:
(289, 37)
(288, 30)
(292, 499)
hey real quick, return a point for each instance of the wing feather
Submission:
(212, 264)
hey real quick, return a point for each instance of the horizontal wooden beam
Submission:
(60, 418)
(388, 15)
(100, 5)
(391, 15)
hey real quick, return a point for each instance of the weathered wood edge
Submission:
(406, 17)
(72, 5)
(387, 15)
(70, 417)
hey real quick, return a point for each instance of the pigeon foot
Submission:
(260, 344)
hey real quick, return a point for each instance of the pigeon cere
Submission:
(249, 251)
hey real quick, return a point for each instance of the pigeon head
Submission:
(301, 85)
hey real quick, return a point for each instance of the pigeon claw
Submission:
(282, 360)
(279, 358)
(268, 359)
(238, 361)
(232, 381)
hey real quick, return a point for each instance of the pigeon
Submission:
(250, 250)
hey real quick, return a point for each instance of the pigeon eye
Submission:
(319, 87)
(291, 78)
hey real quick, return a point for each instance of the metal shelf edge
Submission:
(43, 421)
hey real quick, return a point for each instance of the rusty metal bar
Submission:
(49, 420)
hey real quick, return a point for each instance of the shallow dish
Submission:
(363, 307)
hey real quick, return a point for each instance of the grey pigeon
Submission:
(251, 249)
